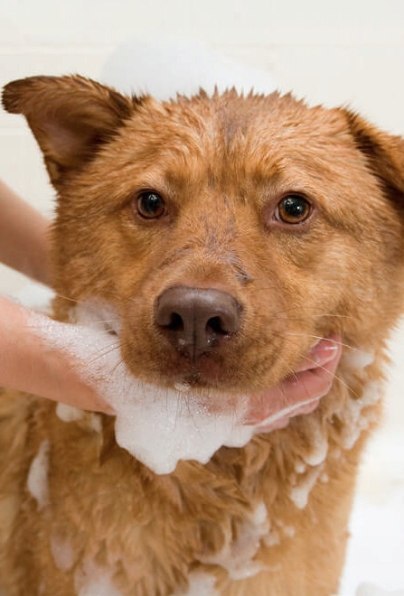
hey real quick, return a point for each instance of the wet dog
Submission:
(234, 236)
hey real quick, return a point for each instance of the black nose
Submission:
(197, 320)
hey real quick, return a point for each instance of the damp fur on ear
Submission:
(384, 153)
(70, 117)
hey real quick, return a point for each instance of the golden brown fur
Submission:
(221, 163)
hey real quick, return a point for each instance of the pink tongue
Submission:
(301, 392)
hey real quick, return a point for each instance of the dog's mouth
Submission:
(195, 425)
(300, 392)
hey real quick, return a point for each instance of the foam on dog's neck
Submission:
(37, 481)
(93, 580)
(62, 553)
(200, 583)
(157, 426)
(161, 427)
(237, 557)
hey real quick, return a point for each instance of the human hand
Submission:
(300, 393)
(31, 364)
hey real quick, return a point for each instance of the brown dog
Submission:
(290, 219)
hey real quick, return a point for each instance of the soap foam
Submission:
(157, 426)
(93, 580)
(200, 583)
(355, 417)
(359, 359)
(68, 413)
(318, 443)
(300, 493)
(237, 556)
(37, 481)
(62, 553)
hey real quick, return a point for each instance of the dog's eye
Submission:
(150, 205)
(293, 209)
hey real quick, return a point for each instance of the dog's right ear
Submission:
(70, 116)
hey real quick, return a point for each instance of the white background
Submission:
(345, 52)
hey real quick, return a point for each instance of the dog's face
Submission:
(228, 232)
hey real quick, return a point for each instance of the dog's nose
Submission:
(197, 320)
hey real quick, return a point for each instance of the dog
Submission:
(233, 235)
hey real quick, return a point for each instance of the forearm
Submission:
(24, 236)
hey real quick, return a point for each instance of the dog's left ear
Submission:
(385, 156)
(71, 117)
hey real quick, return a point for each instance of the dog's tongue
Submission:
(300, 393)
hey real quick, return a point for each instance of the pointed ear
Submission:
(385, 156)
(70, 117)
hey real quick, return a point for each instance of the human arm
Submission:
(24, 236)
(28, 363)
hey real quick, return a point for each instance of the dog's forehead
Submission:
(228, 135)
(229, 125)
(231, 116)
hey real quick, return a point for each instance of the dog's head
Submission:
(228, 232)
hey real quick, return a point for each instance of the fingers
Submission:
(299, 393)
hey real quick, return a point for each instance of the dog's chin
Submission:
(202, 381)
(207, 374)
(293, 394)
(216, 379)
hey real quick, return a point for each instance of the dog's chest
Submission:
(100, 514)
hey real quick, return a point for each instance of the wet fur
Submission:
(222, 163)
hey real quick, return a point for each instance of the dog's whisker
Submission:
(96, 324)
(338, 377)
(186, 401)
(319, 337)
(116, 366)
(316, 316)
(104, 352)
(57, 295)
(334, 374)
